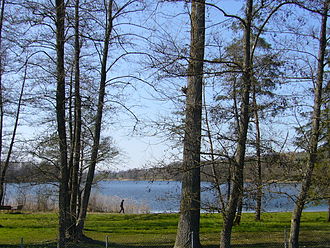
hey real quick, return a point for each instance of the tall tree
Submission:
(327, 126)
(1, 94)
(98, 120)
(237, 188)
(61, 123)
(19, 64)
(74, 185)
(258, 155)
(188, 227)
(315, 132)
(6, 163)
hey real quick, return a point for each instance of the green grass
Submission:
(158, 230)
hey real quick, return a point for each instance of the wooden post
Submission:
(285, 238)
(22, 243)
(107, 242)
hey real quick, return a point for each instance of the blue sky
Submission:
(142, 148)
(147, 149)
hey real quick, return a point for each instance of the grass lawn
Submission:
(158, 230)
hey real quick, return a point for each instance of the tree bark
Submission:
(328, 141)
(329, 210)
(98, 122)
(188, 227)
(313, 143)
(2, 188)
(237, 187)
(258, 153)
(327, 89)
(238, 216)
(61, 129)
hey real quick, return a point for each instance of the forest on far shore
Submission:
(275, 168)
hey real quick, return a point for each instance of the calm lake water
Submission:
(164, 196)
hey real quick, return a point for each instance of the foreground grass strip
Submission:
(158, 230)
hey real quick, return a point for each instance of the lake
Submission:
(164, 196)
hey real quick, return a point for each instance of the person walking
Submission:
(122, 207)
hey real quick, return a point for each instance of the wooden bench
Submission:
(5, 207)
(11, 208)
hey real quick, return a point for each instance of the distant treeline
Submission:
(28, 172)
(275, 167)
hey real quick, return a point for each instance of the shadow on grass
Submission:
(87, 244)
(277, 245)
(50, 245)
(259, 245)
(100, 244)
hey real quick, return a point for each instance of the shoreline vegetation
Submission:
(158, 230)
(47, 202)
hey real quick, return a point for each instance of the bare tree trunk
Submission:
(13, 136)
(190, 195)
(328, 136)
(328, 210)
(80, 191)
(71, 133)
(229, 169)
(70, 126)
(237, 188)
(98, 122)
(215, 175)
(2, 188)
(238, 216)
(258, 153)
(77, 128)
(61, 129)
(313, 143)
